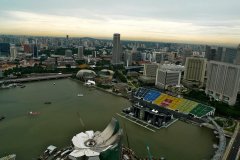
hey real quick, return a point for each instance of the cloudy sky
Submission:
(198, 21)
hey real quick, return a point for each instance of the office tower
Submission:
(116, 52)
(67, 37)
(13, 52)
(223, 80)
(186, 53)
(237, 60)
(35, 51)
(168, 75)
(219, 54)
(80, 52)
(4, 49)
(210, 53)
(150, 70)
(229, 55)
(195, 69)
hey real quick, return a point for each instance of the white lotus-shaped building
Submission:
(92, 145)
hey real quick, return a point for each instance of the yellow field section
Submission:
(160, 99)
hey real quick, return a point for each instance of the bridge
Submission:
(37, 78)
(222, 141)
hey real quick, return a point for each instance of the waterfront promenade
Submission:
(37, 78)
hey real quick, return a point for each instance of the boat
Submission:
(54, 83)
(2, 118)
(9, 157)
(13, 85)
(47, 102)
(33, 113)
(80, 95)
(22, 86)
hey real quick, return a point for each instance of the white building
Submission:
(168, 75)
(13, 52)
(223, 81)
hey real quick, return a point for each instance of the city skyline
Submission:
(186, 21)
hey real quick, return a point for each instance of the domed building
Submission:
(86, 74)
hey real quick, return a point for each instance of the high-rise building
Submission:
(35, 51)
(237, 60)
(168, 75)
(210, 53)
(229, 55)
(223, 80)
(186, 53)
(80, 52)
(128, 58)
(13, 52)
(219, 54)
(116, 52)
(150, 70)
(195, 69)
(4, 49)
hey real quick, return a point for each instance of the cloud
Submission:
(173, 20)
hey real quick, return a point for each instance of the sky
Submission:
(193, 21)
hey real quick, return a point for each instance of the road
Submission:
(234, 150)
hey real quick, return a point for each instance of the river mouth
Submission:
(60, 121)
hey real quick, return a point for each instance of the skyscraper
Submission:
(223, 81)
(4, 49)
(195, 69)
(80, 52)
(128, 58)
(229, 55)
(35, 51)
(116, 52)
(237, 60)
(210, 53)
(13, 52)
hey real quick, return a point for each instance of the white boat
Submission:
(80, 95)
(9, 157)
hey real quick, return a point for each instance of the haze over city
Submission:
(214, 22)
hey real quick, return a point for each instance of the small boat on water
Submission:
(33, 113)
(2, 118)
(80, 95)
(9, 157)
(48, 102)
(22, 86)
